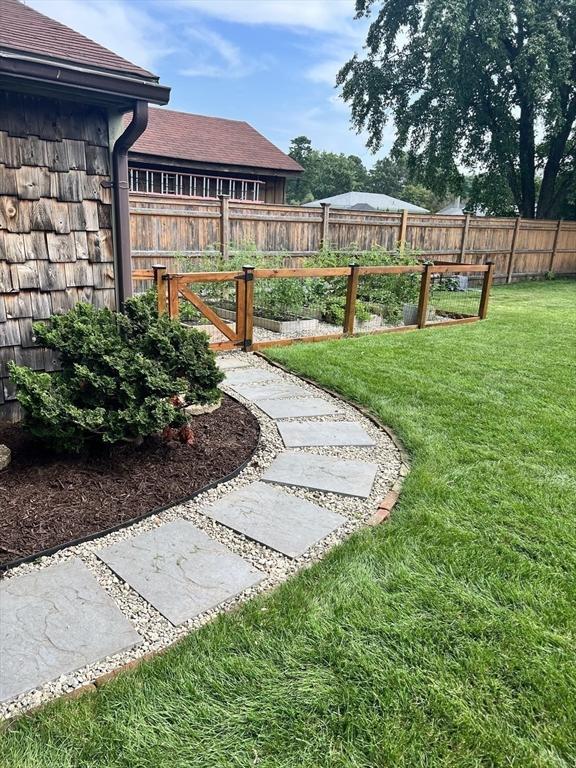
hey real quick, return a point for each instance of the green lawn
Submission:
(444, 638)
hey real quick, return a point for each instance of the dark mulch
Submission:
(48, 500)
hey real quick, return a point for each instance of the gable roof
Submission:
(373, 199)
(24, 30)
(214, 140)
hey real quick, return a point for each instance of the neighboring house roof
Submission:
(455, 208)
(362, 207)
(24, 29)
(458, 208)
(377, 201)
(212, 140)
(38, 48)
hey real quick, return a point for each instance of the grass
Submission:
(443, 638)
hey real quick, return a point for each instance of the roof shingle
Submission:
(24, 30)
(197, 138)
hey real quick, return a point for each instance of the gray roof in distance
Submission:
(353, 200)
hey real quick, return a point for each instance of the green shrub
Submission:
(124, 376)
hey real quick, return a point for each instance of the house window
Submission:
(194, 185)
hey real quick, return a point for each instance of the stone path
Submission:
(179, 570)
(112, 599)
(322, 473)
(268, 515)
(297, 407)
(302, 434)
(274, 391)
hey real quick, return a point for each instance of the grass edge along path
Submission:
(443, 638)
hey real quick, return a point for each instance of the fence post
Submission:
(486, 287)
(240, 308)
(351, 291)
(159, 272)
(248, 322)
(464, 242)
(324, 240)
(425, 283)
(173, 307)
(224, 226)
(513, 250)
(555, 246)
(403, 230)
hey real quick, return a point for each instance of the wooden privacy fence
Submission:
(520, 248)
(236, 327)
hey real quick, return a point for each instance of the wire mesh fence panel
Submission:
(455, 295)
(387, 301)
(300, 307)
(211, 306)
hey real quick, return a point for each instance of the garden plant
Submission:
(288, 298)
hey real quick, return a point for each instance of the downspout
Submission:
(121, 200)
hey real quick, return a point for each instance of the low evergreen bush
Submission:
(124, 376)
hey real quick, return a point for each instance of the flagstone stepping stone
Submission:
(251, 376)
(322, 473)
(303, 434)
(283, 522)
(255, 392)
(180, 570)
(55, 621)
(230, 362)
(297, 407)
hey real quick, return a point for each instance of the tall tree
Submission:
(325, 173)
(388, 176)
(485, 84)
(297, 189)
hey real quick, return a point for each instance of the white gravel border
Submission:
(156, 631)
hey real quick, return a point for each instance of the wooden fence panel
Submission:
(162, 227)
(435, 234)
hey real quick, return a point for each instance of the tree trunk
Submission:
(527, 151)
(547, 199)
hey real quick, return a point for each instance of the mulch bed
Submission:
(48, 500)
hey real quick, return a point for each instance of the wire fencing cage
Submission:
(251, 307)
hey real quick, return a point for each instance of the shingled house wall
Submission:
(56, 245)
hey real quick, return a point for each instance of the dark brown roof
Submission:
(24, 30)
(201, 139)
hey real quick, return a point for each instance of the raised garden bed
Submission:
(48, 501)
(272, 321)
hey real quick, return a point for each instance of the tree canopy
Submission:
(483, 85)
(325, 173)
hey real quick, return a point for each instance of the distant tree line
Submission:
(330, 173)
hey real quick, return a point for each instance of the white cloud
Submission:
(325, 71)
(218, 57)
(320, 15)
(128, 31)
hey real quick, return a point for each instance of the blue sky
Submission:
(269, 62)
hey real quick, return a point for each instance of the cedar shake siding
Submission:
(56, 245)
